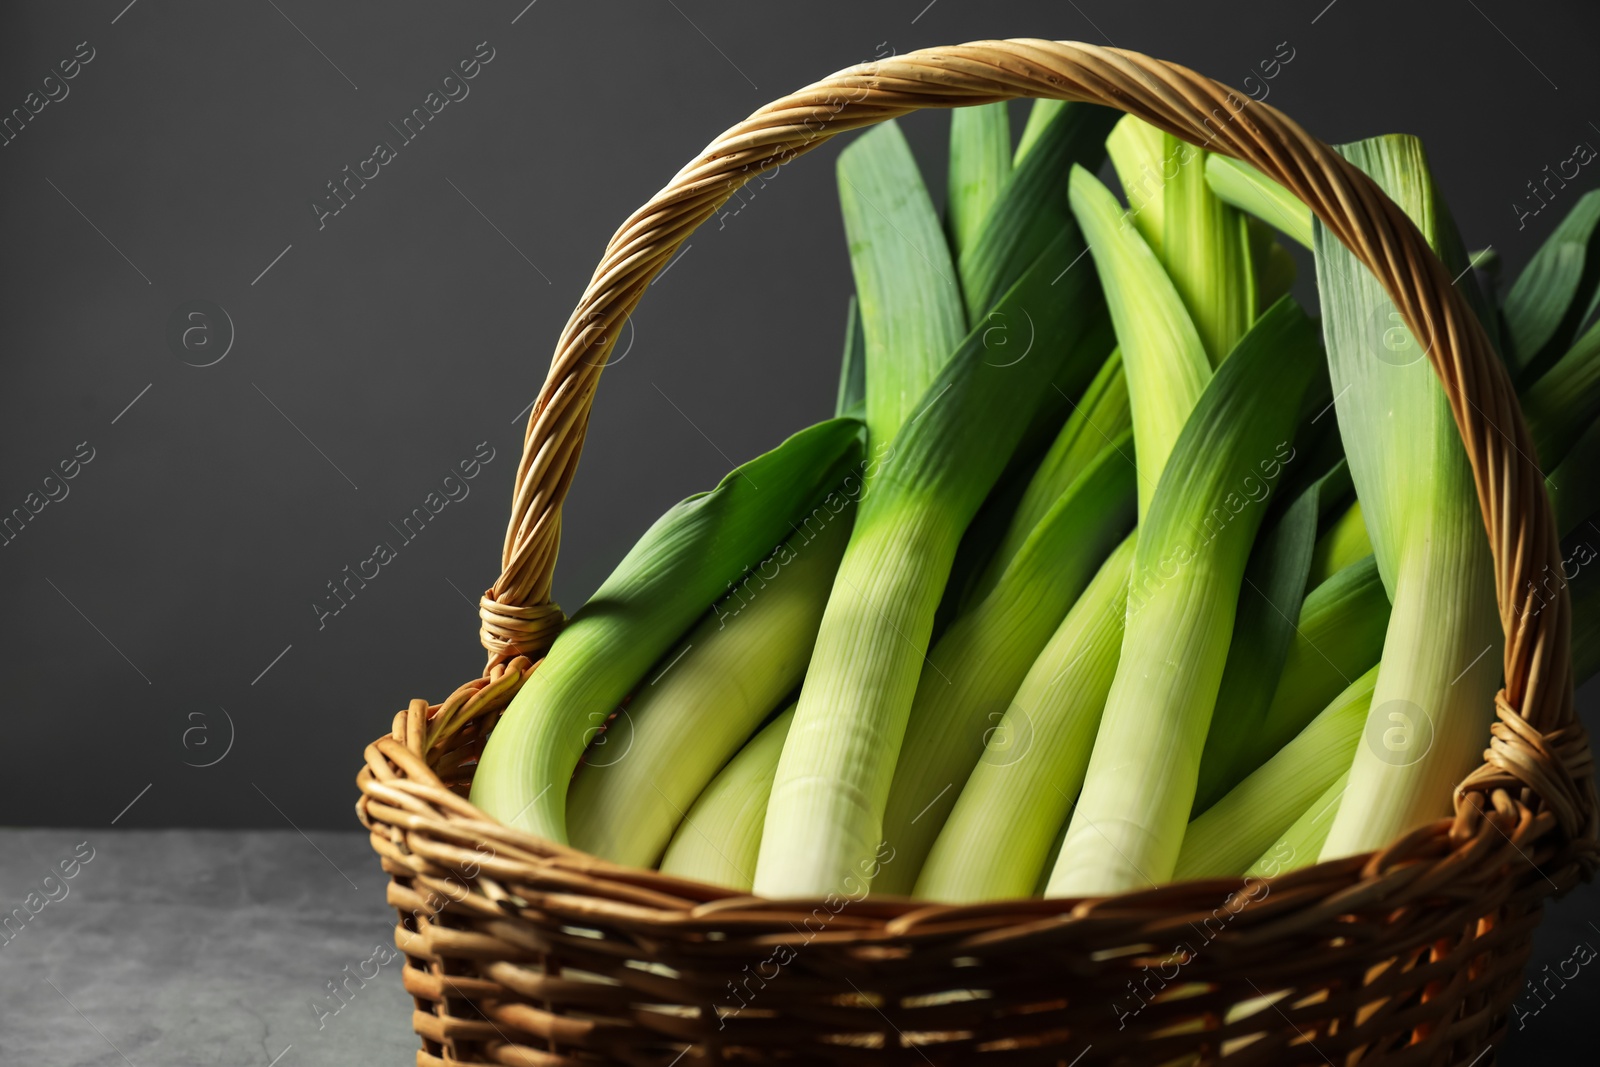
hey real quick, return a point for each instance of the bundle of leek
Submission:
(1079, 592)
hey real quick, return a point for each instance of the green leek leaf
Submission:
(1556, 291)
(1246, 188)
(1162, 355)
(852, 397)
(980, 168)
(1040, 116)
(1098, 419)
(908, 297)
(1344, 542)
(1205, 248)
(1563, 403)
(1138, 153)
(1031, 211)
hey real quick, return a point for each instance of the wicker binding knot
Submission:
(524, 952)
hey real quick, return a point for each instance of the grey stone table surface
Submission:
(203, 948)
(198, 948)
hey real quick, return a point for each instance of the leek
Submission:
(1578, 550)
(1128, 824)
(1344, 542)
(906, 290)
(1199, 239)
(852, 395)
(824, 820)
(1580, 538)
(980, 168)
(1338, 635)
(1246, 188)
(1304, 839)
(1011, 814)
(1205, 248)
(1137, 151)
(1274, 268)
(1556, 292)
(1441, 651)
(1264, 627)
(1242, 826)
(1162, 355)
(1040, 116)
(718, 840)
(1025, 218)
(1030, 213)
(1563, 403)
(724, 678)
(681, 564)
(972, 673)
(1097, 420)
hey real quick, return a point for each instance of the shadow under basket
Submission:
(528, 953)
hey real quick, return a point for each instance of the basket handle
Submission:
(519, 618)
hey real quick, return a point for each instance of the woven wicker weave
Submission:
(519, 951)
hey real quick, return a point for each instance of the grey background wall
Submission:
(162, 635)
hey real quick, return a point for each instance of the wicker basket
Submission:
(519, 951)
